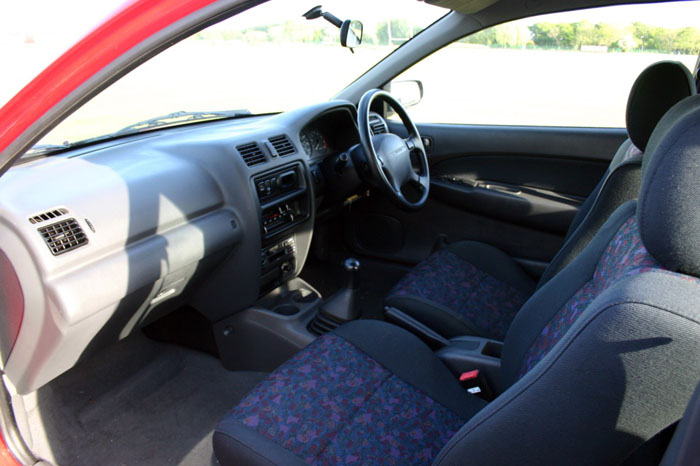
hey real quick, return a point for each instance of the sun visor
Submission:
(466, 7)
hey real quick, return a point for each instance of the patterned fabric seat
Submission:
(454, 297)
(598, 360)
(363, 411)
(473, 289)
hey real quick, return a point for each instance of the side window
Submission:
(568, 69)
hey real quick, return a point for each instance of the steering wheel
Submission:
(389, 157)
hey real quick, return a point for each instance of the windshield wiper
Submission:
(44, 148)
(180, 117)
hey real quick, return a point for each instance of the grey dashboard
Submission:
(101, 240)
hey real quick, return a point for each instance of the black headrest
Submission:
(668, 210)
(658, 88)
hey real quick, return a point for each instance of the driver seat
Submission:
(599, 360)
(472, 288)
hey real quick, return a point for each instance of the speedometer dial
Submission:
(306, 143)
(318, 141)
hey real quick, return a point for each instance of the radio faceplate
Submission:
(284, 199)
(272, 185)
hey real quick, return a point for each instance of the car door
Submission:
(516, 188)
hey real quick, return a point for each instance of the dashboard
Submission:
(101, 240)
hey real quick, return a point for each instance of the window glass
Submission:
(567, 69)
(265, 60)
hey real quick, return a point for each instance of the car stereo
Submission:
(284, 199)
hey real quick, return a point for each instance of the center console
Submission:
(284, 200)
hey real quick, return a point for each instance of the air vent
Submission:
(51, 214)
(377, 124)
(251, 154)
(63, 236)
(282, 145)
(321, 324)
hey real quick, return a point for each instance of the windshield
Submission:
(266, 60)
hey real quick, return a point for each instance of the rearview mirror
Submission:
(408, 93)
(350, 30)
(351, 33)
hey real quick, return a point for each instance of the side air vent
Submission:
(251, 154)
(283, 146)
(51, 214)
(377, 124)
(63, 236)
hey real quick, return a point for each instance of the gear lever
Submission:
(342, 306)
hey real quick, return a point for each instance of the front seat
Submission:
(598, 361)
(472, 288)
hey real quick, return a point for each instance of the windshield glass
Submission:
(265, 60)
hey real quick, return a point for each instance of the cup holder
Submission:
(286, 309)
(304, 296)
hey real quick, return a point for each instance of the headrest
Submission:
(668, 210)
(658, 88)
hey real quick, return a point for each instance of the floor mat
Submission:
(139, 402)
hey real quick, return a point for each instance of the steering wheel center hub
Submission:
(392, 152)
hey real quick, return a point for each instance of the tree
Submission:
(512, 35)
(606, 34)
(545, 34)
(661, 39)
(643, 34)
(584, 34)
(400, 31)
(687, 41)
(560, 35)
(484, 37)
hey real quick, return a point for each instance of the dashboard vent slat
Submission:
(321, 324)
(48, 215)
(63, 236)
(251, 153)
(377, 125)
(283, 146)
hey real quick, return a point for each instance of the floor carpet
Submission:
(138, 402)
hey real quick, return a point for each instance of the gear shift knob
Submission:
(352, 267)
(342, 306)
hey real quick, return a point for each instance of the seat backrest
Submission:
(607, 354)
(658, 88)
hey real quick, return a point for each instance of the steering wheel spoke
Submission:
(414, 142)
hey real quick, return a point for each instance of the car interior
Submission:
(340, 283)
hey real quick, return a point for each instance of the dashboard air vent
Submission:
(282, 145)
(47, 216)
(251, 154)
(63, 236)
(377, 124)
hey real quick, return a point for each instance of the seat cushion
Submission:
(468, 288)
(347, 399)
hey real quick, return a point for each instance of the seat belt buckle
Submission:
(475, 383)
